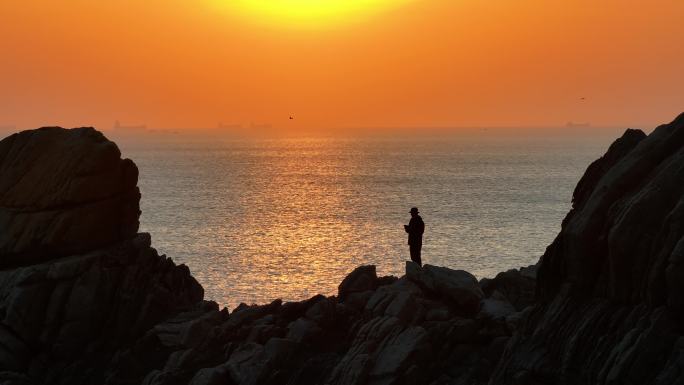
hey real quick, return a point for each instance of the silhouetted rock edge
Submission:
(606, 307)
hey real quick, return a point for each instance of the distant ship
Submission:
(577, 125)
(229, 126)
(119, 127)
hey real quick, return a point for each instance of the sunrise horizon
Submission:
(341, 192)
(363, 63)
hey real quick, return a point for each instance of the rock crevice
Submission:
(609, 287)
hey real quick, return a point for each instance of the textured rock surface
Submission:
(77, 281)
(457, 286)
(401, 333)
(63, 192)
(604, 306)
(362, 279)
(55, 315)
(610, 286)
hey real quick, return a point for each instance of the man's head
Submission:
(414, 211)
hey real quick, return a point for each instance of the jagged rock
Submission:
(404, 307)
(363, 278)
(358, 300)
(77, 282)
(599, 167)
(459, 286)
(609, 308)
(496, 307)
(303, 330)
(187, 329)
(278, 350)
(398, 351)
(246, 314)
(63, 192)
(104, 302)
(517, 286)
(247, 365)
(386, 295)
(322, 311)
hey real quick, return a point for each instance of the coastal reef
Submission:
(85, 299)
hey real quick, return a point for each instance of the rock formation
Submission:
(63, 192)
(377, 330)
(77, 281)
(610, 288)
(84, 299)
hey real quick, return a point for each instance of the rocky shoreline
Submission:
(85, 299)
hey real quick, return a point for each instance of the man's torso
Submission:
(416, 228)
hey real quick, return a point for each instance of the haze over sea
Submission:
(260, 219)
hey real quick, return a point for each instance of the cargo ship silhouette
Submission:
(134, 128)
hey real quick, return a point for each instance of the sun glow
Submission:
(310, 13)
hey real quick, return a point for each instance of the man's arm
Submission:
(411, 228)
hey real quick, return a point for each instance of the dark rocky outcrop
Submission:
(63, 192)
(393, 332)
(518, 286)
(610, 287)
(97, 305)
(77, 281)
(70, 314)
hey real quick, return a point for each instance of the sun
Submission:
(310, 13)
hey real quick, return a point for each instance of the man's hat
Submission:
(414, 210)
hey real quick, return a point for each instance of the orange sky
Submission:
(173, 63)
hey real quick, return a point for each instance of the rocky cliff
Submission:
(77, 281)
(84, 299)
(610, 306)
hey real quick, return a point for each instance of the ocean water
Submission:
(258, 219)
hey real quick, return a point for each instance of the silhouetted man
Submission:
(415, 230)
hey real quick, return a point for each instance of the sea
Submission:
(256, 219)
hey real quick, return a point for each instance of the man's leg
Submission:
(418, 257)
(415, 255)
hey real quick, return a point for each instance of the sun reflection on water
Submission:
(259, 220)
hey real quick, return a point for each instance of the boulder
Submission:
(517, 286)
(404, 307)
(363, 278)
(63, 192)
(303, 330)
(399, 352)
(247, 365)
(458, 286)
